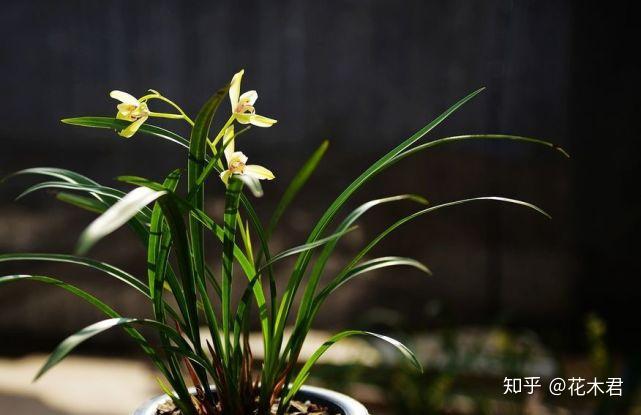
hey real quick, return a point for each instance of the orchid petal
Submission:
(238, 156)
(234, 89)
(133, 127)
(244, 118)
(124, 97)
(224, 176)
(258, 172)
(250, 96)
(260, 121)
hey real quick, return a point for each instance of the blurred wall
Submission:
(365, 75)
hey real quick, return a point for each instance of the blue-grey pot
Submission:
(335, 402)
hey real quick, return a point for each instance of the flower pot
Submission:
(337, 403)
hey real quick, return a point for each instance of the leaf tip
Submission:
(561, 150)
(420, 199)
(83, 246)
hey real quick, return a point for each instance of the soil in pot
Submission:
(296, 408)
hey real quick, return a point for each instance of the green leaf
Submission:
(232, 201)
(297, 183)
(367, 266)
(64, 348)
(98, 204)
(182, 251)
(304, 372)
(110, 270)
(158, 250)
(305, 247)
(325, 254)
(503, 137)
(195, 166)
(323, 222)
(112, 194)
(61, 174)
(118, 125)
(353, 269)
(93, 301)
(415, 215)
(73, 341)
(116, 216)
(82, 202)
(295, 341)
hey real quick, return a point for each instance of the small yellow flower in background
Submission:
(130, 109)
(242, 106)
(237, 162)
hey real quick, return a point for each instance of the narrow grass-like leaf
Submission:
(367, 266)
(118, 125)
(503, 137)
(195, 166)
(295, 341)
(419, 213)
(325, 254)
(353, 265)
(304, 372)
(158, 248)
(232, 201)
(134, 334)
(73, 341)
(305, 247)
(185, 265)
(116, 216)
(158, 271)
(297, 183)
(368, 174)
(57, 173)
(110, 270)
(98, 203)
(86, 203)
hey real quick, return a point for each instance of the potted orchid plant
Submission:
(216, 374)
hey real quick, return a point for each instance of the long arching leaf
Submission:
(367, 266)
(297, 183)
(70, 343)
(323, 222)
(116, 216)
(118, 125)
(304, 372)
(108, 269)
(503, 137)
(134, 334)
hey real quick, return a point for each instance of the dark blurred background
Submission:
(365, 75)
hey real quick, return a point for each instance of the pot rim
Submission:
(347, 404)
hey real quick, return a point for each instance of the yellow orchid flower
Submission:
(242, 106)
(237, 163)
(130, 109)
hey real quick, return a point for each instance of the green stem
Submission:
(212, 143)
(165, 115)
(173, 104)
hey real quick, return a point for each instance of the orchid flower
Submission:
(242, 106)
(130, 109)
(237, 162)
